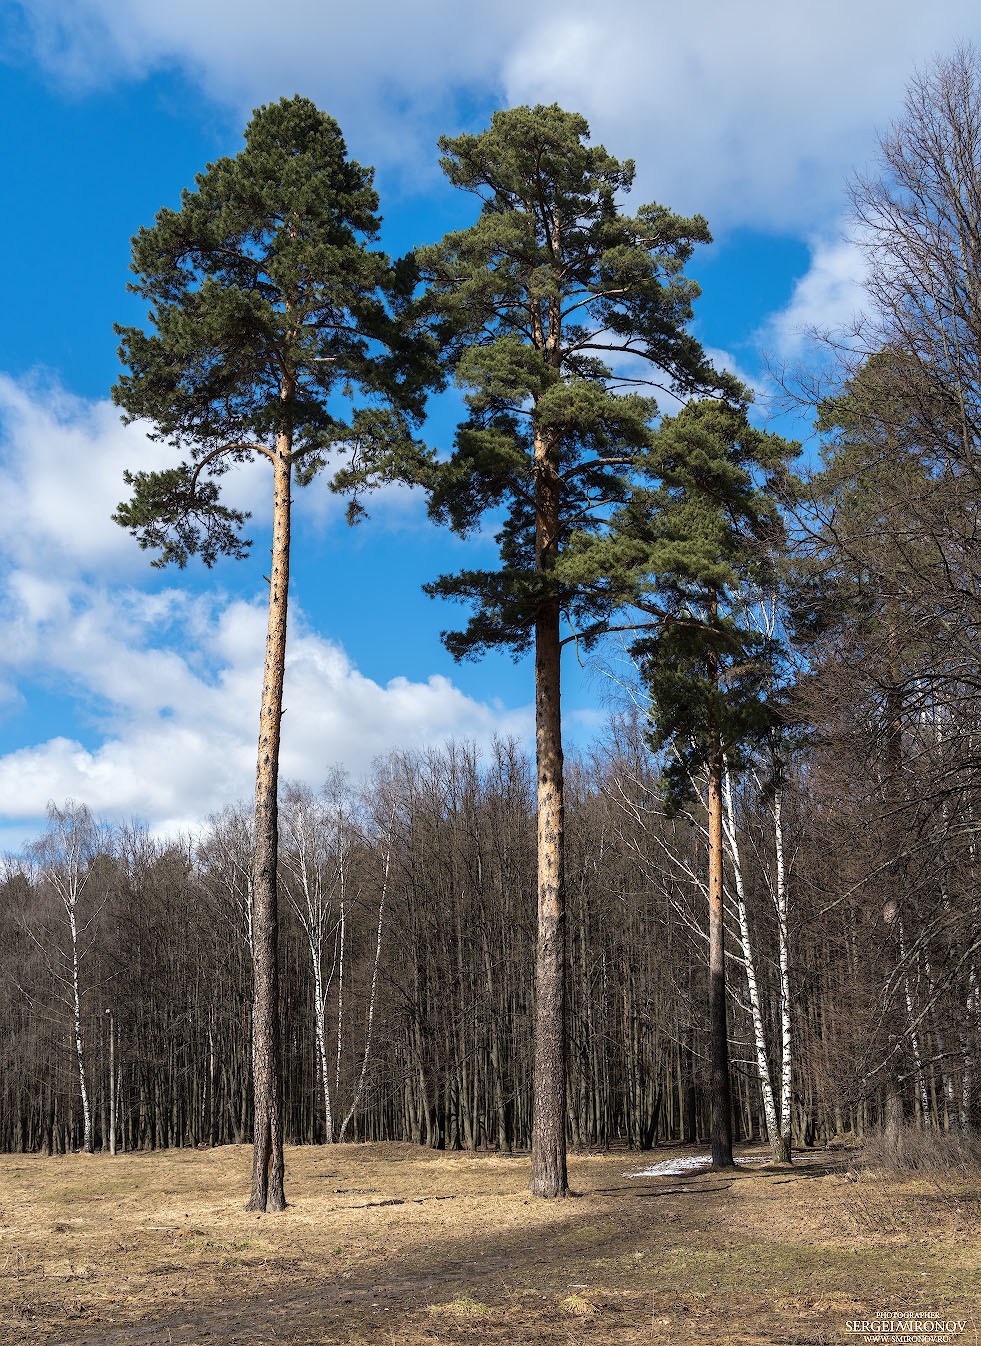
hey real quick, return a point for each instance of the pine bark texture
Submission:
(267, 1159)
(549, 1177)
(548, 1149)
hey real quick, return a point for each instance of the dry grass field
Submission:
(393, 1246)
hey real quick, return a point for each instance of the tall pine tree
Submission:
(700, 530)
(267, 312)
(552, 290)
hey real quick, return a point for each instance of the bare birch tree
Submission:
(65, 855)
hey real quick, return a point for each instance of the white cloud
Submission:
(167, 680)
(242, 48)
(752, 113)
(61, 477)
(62, 460)
(389, 72)
(724, 360)
(828, 298)
(178, 727)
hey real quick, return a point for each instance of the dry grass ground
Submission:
(392, 1246)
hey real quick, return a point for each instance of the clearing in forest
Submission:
(389, 1245)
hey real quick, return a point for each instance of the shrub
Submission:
(922, 1149)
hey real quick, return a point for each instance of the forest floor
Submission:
(388, 1245)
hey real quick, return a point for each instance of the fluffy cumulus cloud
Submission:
(61, 476)
(752, 113)
(828, 298)
(167, 678)
(391, 73)
(179, 727)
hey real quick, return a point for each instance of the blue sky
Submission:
(137, 691)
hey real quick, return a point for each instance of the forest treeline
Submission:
(408, 939)
(753, 907)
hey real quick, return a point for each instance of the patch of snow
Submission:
(669, 1168)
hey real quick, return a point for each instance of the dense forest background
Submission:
(408, 948)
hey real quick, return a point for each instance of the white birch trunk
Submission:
(320, 1031)
(70, 903)
(307, 886)
(762, 1056)
(943, 1060)
(921, 1085)
(783, 941)
(340, 996)
(967, 1078)
(112, 1084)
(356, 1099)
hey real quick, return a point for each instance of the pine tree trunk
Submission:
(267, 1158)
(721, 1098)
(548, 1147)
